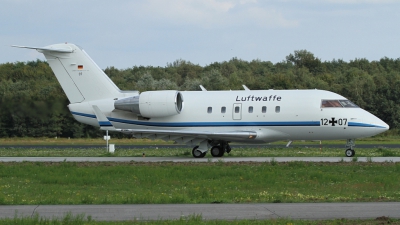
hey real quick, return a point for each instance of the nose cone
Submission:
(378, 124)
(370, 124)
(365, 124)
(384, 125)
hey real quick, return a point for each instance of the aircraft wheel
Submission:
(197, 153)
(217, 151)
(350, 152)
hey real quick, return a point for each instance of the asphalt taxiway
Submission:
(309, 211)
(191, 159)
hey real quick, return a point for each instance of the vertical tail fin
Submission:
(79, 76)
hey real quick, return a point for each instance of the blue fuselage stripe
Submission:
(219, 124)
(355, 124)
(83, 114)
(203, 124)
(105, 124)
(216, 124)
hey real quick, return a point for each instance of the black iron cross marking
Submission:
(333, 121)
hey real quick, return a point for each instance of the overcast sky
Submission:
(156, 32)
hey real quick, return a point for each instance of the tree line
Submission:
(32, 103)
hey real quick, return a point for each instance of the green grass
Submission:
(186, 152)
(79, 141)
(36, 183)
(69, 219)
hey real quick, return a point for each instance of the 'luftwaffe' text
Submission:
(258, 98)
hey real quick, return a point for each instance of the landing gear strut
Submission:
(350, 148)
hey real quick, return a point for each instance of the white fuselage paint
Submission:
(299, 116)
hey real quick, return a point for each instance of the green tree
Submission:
(303, 58)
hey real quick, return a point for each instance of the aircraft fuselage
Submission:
(272, 114)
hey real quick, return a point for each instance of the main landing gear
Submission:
(197, 153)
(218, 149)
(350, 148)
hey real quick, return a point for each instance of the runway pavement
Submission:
(191, 159)
(312, 145)
(310, 211)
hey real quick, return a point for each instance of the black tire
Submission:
(350, 152)
(217, 151)
(197, 153)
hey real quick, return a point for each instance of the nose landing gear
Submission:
(350, 148)
(350, 152)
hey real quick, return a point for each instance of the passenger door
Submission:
(237, 111)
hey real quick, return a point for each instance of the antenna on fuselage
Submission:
(202, 88)
(245, 87)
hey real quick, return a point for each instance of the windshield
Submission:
(337, 104)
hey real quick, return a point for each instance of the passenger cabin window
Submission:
(223, 109)
(277, 109)
(237, 109)
(250, 109)
(209, 109)
(337, 104)
(264, 109)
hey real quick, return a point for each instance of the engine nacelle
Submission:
(153, 104)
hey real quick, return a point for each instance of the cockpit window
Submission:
(348, 104)
(337, 104)
(330, 104)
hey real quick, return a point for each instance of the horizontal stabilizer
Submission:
(79, 76)
(65, 49)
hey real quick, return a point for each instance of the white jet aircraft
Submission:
(206, 119)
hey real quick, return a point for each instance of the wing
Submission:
(186, 136)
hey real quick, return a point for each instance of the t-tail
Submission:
(80, 77)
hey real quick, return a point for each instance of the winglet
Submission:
(104, 123)
(202, 88)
